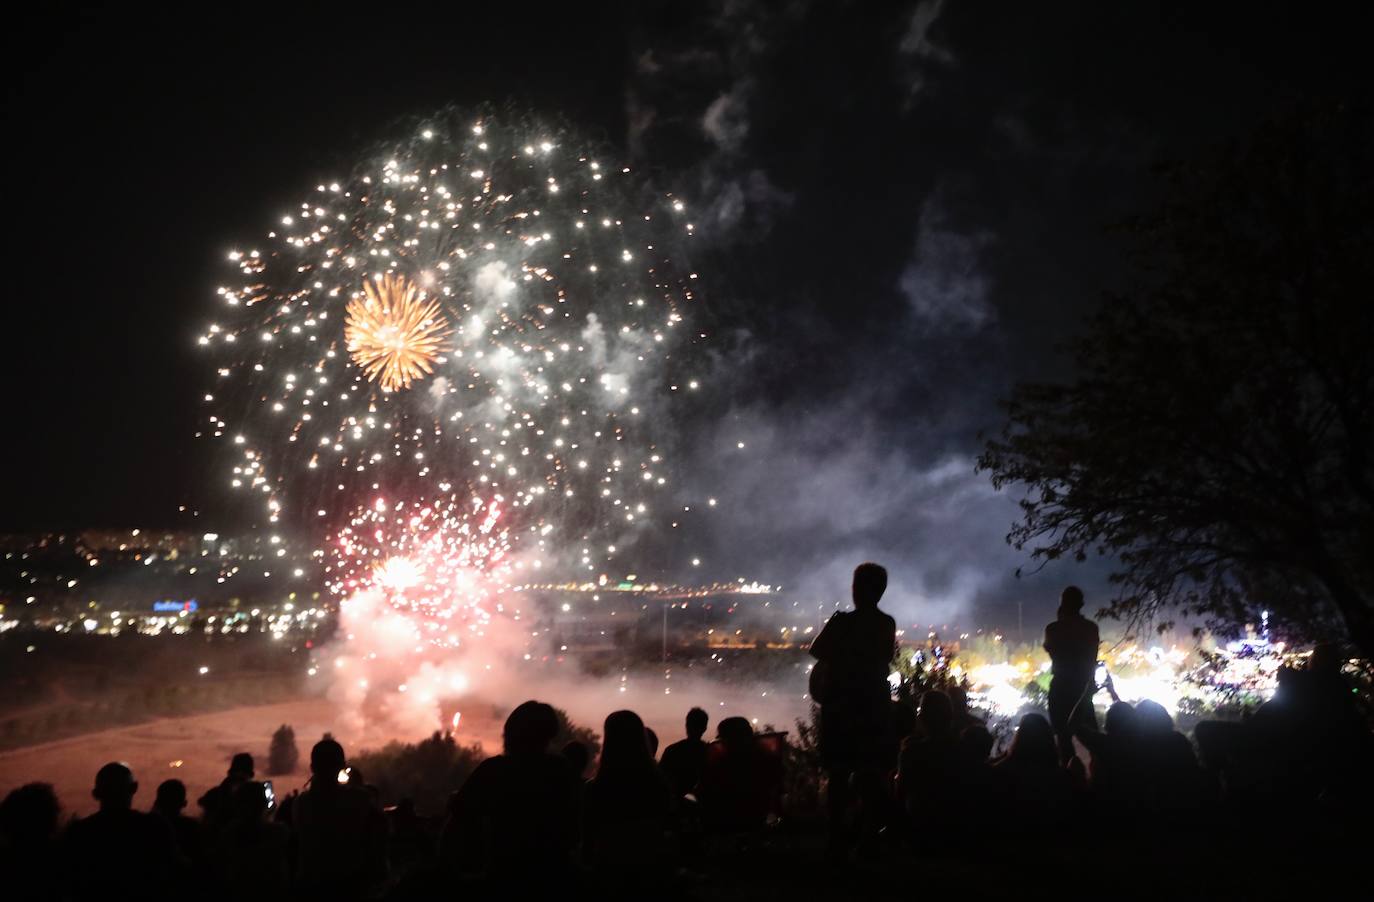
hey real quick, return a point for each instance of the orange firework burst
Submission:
(393, 334)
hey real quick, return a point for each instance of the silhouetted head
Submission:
(578, 755)
(171, 797)
(651, 740)
(937, 714)
(1071, 600)
(696, 723)
(1326, 659)
(625, 746)
(1034, 742)
(529, 729)
(29, 814)
(1152, 719)
(975, 744)
(870, 582)
(326, 760)
(1286, 687)
(241, 766)
(958, 697)
(735, 733)
(1120, 720)
(115, 786)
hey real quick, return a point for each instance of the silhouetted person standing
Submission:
(1071, 641)
(215, 804)
(683, 760)
(118, 853)
(340, 832)
(853, 659)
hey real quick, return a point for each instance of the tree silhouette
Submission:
(282, 755)
(1216, 440)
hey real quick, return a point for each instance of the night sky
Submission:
(905, 208)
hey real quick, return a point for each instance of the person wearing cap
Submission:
(215, 804)
(340, 830)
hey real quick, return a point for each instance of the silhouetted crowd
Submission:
(529, 810)
(901, 780)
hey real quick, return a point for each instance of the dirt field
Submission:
(195, 750)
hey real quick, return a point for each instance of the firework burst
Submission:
(441, 562)
(484, 306)
(393, 335)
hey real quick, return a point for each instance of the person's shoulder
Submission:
(674, 748)
(489, 767)
(80, 827)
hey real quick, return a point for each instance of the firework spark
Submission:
(439, 562)
(393, 334)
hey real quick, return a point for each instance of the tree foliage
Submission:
(426, 772)
(570, 732)
(1216, 440)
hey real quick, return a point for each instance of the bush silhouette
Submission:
(282, 755)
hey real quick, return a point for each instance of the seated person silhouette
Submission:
(168, 805)
(250, 859)
(518, 811)
(627, 806)
(111, 847)
(683, 760)
(28, 842)
(741, 783)
(340, 832)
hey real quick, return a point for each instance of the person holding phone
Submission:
(340, 830)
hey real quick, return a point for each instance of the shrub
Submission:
(283, 755)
